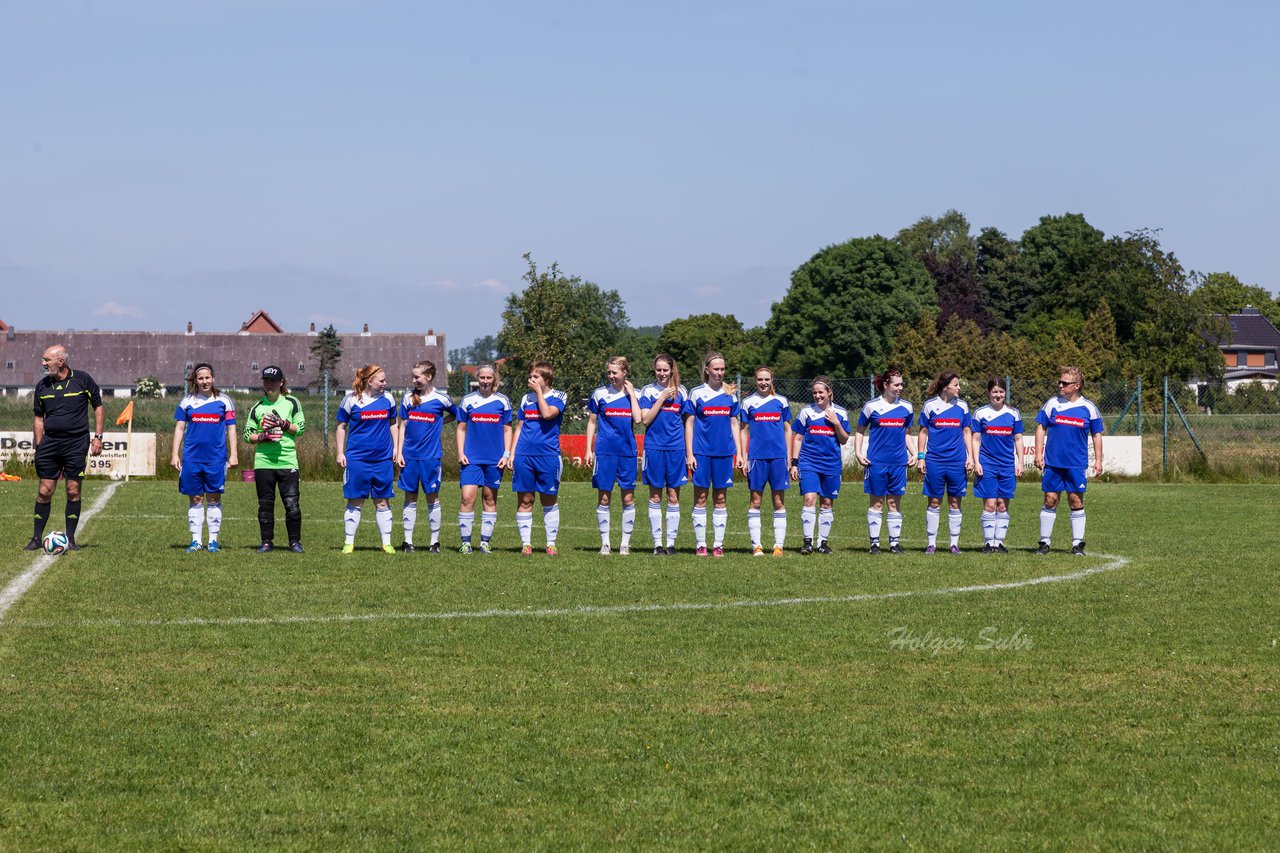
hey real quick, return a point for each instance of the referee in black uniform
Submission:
(61, 430)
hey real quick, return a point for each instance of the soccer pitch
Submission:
(154, 698)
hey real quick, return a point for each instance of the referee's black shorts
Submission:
(62, 457)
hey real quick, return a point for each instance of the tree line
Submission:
(933, 296)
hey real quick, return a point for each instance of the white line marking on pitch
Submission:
(18, 586)
(1114, 562)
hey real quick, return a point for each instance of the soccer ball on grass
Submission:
(55, 543)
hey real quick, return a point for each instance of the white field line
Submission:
(18, 586)
(1113, 562)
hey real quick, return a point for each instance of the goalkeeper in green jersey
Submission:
(272, 427)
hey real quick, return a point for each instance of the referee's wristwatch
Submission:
(97, 436)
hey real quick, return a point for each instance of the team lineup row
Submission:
(699, 435)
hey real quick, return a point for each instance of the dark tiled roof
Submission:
(118, 359)
(1251, 329)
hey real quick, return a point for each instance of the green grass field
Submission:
(151, 698)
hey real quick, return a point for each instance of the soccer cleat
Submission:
(34, 545)
(806, 549)
(1042, 548)
(485, 547)
(296, 547)
(74, 546)
(823, 547)
(1000, 547)
(702, 551)
(408, 548)
(717, 551)
(348, 549)
(213, 548)
(895, 548)
(388, 549)
(988, 548)
(955, 550)
(551, 551)
(1077, 550)
(757, 551)
(465, 549)
(194, 546)
(526, 550)
(874, 549)
(434, 549)
(777, 550)
(605, 551)
(659, 551)
(931, 549)
(265, 547)
(671, 551)
(624, 550)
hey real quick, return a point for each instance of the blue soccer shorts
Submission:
(885, 480)
(1063, 480)
(479, 474)
(713, 472)
(202, 479)
(768, 472)
(421, 475)
(941, 480)
(995, 484)
(536, 473)
(822, 483)
(612, 468)
(368, 479)
(665, 469)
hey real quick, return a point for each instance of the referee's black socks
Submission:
(41, 519)
(73, 519)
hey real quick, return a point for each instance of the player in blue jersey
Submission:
(366, 440)
(997, 463)
(890, 451)
(484, 451)
(204, 447)
(612, 412)
(712, 438)
(424, 411)
(946, 456)
(537, 459)
(820, 430)
(664, 465)
(766, 422)
(1064, 426)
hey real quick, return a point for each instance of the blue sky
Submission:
(390, 162)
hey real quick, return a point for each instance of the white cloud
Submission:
(115, 309)
(491, 285)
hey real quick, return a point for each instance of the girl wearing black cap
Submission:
(273, 426)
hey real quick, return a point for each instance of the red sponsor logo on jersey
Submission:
(892, 422)
(944, 422)
(617, 412)
(767, 416)
(716, 411)
(429, 417)
(1067, 420)
(821, 429)
(671, 407)
(206, 419)
(379, 415)
(486, 418)
(532, 414)
(999, 430)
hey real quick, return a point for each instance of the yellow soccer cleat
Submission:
(348, 549)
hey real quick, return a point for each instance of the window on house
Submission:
(253, 366)
(302, 365)
(1257, 359)
(1229, 359)
(8, 365)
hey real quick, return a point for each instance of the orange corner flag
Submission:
(126, 415)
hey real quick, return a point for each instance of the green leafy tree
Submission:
(1010, 285)
(570, 322)
(950, 255)
(481, 350)
(326, 349)
(148, 386)
(1223, 293)
(689, 339)
(1064, 256)
(844, 306)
